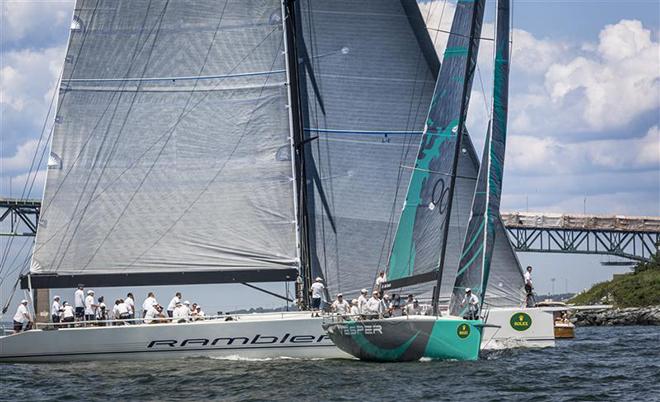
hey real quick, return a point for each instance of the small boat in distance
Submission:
(564, 328)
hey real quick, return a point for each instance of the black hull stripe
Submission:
(2, 358)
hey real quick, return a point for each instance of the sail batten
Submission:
(173, 132)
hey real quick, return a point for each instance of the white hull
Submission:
(537, 333)
(252, 336)
(258, 336)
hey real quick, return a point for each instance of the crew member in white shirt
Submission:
(317, 295)
(22, 318)
(181, 313)
(68, 313)
(102, 310)
(529, 288)
(90, 306)
(200, 313)
(362, 301)
(412, 308)
(341, 306)
(170, 307)
(130, 303)
(471, 302)
(149, 302)
(355, 311)
(375, 305)
(154, 315)
(379, 282)
(56, 310)
(79, 302)
(121, 311)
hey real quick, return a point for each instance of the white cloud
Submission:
(22, 159)
(29, 19)
(615, 84)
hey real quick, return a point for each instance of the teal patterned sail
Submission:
(420, 240)
(475, 260)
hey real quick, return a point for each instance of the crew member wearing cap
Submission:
(68, 313)
(90, 306)
(470, 301)
(412, 308)
(317, 290)
(355, 311)
(362, 301)
(56, 310)
(375, 306)
(22, 318)
(79, 302)
(341, 306)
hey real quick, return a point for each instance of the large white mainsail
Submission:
(174, 142)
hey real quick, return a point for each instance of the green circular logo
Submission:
(463, 331)
(521, 321)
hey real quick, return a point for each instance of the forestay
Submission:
(368, 72)
(171, 149)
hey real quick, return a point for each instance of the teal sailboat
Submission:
(420, 242)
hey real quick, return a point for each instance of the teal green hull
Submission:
(401, 339)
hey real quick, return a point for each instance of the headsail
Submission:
(173, 140)
(368, 72)
(418, 249)
(475, 262)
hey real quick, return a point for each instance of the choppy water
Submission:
(615, 364)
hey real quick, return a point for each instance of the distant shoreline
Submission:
(649, 315)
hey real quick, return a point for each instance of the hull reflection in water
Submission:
(408, 338)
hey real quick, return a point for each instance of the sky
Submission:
(584, 115)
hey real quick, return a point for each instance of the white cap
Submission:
(364, 291)
(340, 295)
(24, 301)
(55, 297)
(186, 302)
(318, 279)
(468, 290)
(90, 292)
(354, 302)
(375, 292)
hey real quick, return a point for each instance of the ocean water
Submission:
(602, 364)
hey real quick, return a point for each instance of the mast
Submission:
(470, 63)
(297, 144)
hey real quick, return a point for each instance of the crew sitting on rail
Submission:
(375, 307)
(200, 313)
(181, 313)
(155, 315)
(470, 301)
(68, 313)
(341, 306)
(121, 311)
(56, 310)
(22, 318)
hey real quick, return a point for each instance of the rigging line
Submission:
(17, 267)
(162, 148)
(96, 125)
(88, 179)
(217, 174)
(404, 151)
(162, 136)
(390, 229)
(3, 266)
(457, 34)
(120, 132)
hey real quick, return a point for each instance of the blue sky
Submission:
(584, 111)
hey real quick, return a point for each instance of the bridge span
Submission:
(633, 237)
